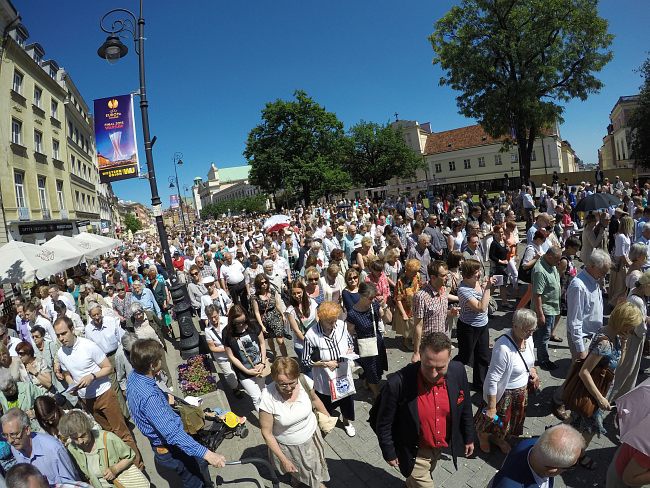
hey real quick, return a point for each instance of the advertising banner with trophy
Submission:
(117, 149)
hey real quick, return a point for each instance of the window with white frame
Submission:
(38, 96)
(38, 58)
(42, 192)
(55, 149)
(467, 163)
(60, 197)
(497, 159)
(452, 165)
(38, 141)
(54, 109)
(19, 186)
(481, 162)
(16, 131)
(438, 168)
(18, 82)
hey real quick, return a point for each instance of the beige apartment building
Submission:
(615, 151)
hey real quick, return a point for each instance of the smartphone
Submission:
(498, 280)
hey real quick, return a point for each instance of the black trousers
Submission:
(239, 294)
(474, 351)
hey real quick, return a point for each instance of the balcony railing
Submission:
(23, 213)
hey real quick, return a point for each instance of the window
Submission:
(533, 157)
(59, 194)
(452, 165)
(481, 162)
(438, 168)
(497, 159)
(76, 196)
(18, 82)
(38, 58)
(76, 136)
(38, 142)
(83, 201)
(42, 193)
(38, 95)
(54, 109)
(55, 149)
(69, 129)
(513, 157)
(467, 163)
(20, 189)
(16, 131)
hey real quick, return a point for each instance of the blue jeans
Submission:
(192, 471)
(541, 337)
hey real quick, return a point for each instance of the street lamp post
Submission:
(178, 160)
(111, 50)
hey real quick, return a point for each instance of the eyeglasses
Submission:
(287, 386)
(353, 278)
(312, 280)
(239, 322)
(22, 353)
(14, 435)
(196, 273)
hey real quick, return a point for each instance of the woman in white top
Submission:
(456, 237)
(505, 391)
(289, 425)
(214, 338)
(332, 284)
(638, 256)
(621, 261)
(215, 296)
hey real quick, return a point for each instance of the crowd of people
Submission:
(293, 314)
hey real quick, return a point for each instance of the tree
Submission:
(254, 204)
(132, 223)
(298, 148)
(514, 61)
(640, 121)
(379, 153)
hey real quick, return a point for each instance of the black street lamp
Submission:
(178, 160)
(112, 50)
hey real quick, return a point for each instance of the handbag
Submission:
(533, 384)
(368, 347)
(523, 274)
(341, 383)
(131, 477)
(325, 423)
(576, 397)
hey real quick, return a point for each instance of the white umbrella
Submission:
(276, 222)
(100, 246)
(61, 242)
(21, 262)
(101, 238)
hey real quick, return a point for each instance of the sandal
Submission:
(587, 463)
(554, 338)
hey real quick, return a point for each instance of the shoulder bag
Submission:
(131, 477)
(525, 275)
(368, 347)
(576, 397)
(533, 384)
(325, 423)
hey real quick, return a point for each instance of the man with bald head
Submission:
(543, 221)
(233, 280)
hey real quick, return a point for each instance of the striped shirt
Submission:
(155, 418)
(330, 348)
(431, 306)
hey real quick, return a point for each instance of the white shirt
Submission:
(507, 371)
(223, 303)
(232, 273)
(281, 267)
(82, 359)
(65, 298)
(622, 245)
(47, 325)
(294, 423)
(214, 335)
(107, 336)
(11, 346)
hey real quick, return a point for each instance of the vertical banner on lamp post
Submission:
(173, 201)
(117, 149)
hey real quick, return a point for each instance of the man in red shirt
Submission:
(424, 408)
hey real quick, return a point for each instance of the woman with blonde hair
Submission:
(408, 284)
(289, 426)
(605, 351)
(364, 255)
(621, 261)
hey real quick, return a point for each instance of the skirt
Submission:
(617, 289)
(401, 326)
(511, 410)
(308, 458)
(374, 366)
(274, 324)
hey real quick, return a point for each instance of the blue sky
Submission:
(212, 65)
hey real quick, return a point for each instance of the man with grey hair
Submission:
(644, 237)
(542, 222)
(536, 461)
(233, 280)
(421, 253)
(546, 302)
(43, 451)
(584, 313)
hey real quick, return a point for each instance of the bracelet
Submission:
(93, 375)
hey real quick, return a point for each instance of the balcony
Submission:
(23, 213)
(46, 214)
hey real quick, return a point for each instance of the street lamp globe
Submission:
(112, 49)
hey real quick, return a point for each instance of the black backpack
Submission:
(373, 413)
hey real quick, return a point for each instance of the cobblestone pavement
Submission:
(357, 462)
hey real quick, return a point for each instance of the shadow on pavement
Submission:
(350, 473)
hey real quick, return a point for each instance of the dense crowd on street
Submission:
(294, 309)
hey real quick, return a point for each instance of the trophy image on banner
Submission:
(115, 140)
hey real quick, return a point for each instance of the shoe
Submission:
(350, 430)
(556, 339)
(548, 365)
(560, 412)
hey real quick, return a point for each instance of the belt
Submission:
(161, 450)
(112, 353)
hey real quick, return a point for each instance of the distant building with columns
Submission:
(222, 185)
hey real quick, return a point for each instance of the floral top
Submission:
(405, 290)
(383, 289)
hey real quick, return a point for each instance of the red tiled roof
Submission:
(456, 139)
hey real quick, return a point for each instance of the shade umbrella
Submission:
(99, 246)
(276, 223)
(102, 239)
(61, 242)
(23, 262)
(597, 201)
(633, 410)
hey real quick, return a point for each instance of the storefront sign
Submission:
(82, 223)
(25, 229)
(117, 149)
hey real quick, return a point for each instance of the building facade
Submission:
(616, 148)
(222, 185)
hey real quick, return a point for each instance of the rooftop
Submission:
(234, 173)
(456, 139)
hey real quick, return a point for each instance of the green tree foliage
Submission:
(132, 223)
(640, 121)
(378, 153)
(515, 61)
(298, 148)
(254, 204)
